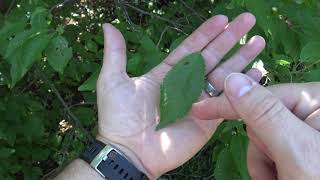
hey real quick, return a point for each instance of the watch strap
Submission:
(113, 165)
(118, 167)
(92, 150)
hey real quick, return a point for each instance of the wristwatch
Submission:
(110, 163)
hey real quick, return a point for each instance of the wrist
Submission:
(129, 155)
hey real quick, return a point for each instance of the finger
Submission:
(313, 120)
(237, 62)
(270, 120)
(115, 58)
(218, 48)
(259, 166)
(255, 74)
(219, 107)
(194, 43)
(258, 143)
(302, 101)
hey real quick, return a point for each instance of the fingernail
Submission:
(238, 85)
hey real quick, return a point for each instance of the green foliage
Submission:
(47, 49)
(225, 168)
(59, 54)
(181, 87)
(90, 83)
(147, 57)
(310, 52)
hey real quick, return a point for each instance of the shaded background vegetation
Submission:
(48, 106)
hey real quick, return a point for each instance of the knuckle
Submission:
(212, 54)
(269, 110)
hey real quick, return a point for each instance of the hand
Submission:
(128, 107)
(288, 136)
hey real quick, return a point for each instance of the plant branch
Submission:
(76, 121)
(161, 36)
(10, 7)
(153, 15)
(194, 11)
(126, 15)
(60, 4)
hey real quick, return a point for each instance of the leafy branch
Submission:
(201, 17)
(175, 24)
(60, 5)
(76, 122)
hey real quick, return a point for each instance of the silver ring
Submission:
(211, 90)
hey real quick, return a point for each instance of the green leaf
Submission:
(40, 153)
(225, 168)
(225, 127)
(31, 173)
(313, 75)
(59, 53)
(27, 53)
(17, 42)
(261, 9)
(6, 152)
(90, 83)
(135, 65)
(151, 54)
(239, 145)
(9, 29)
(219, 131)
(92, 46)
(33, 128)
(310, 52)
(85, 115)
(181, 87)
(99, 38)
(39, 19)
(299, 1)
(176, 43)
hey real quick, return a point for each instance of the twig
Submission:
(10, 7)
(179, 30)
(194, 11)
(161, 36)
(60, 4)
(82, 104)
(76, 121)
(153, 15)
(126, 15)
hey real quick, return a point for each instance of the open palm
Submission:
(129, 107)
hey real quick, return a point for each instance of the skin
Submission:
(282, 145)
(128, 107)
(283, 127)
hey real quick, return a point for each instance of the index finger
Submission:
(199, 39)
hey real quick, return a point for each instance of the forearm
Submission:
(80, 170)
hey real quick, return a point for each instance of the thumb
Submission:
(265, 114)
(115, 58)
